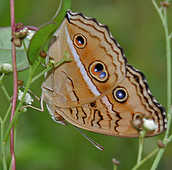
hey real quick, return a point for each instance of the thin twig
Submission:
(159, 10)
(115, 163)
(29, 81)
(4, 163)
(170, 36)
(141, 140)
(169, 123)
(17, 112)
(7, 114)
(63, 60)
(1, 77)
(5, 92)
(146, 159)
(14, 84)
(163, 17)
(162, 12)
(114, 167)
(3, 87)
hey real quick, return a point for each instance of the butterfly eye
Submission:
(80, 41)
(98, 71)
(120, 94)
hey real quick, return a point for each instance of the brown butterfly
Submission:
(98, 90)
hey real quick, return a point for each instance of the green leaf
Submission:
(42, 36)
(39, 41)
(5, 50)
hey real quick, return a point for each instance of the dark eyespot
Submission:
(79, 41)
(98, 71)
(98, 67)
(120, 94)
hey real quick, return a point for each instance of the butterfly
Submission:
(98, 90)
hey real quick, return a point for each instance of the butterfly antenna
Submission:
(98, 146)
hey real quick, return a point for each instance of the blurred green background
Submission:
(41, 144)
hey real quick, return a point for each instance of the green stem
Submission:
(141, 141)
(4, 163)
(145, 159)
(114, 167)
(115, 164)
(29, 81)
(157, 159)
(165, 142)
(170, 36)
(63, 60)
(168, 55)
(3, 87)
(17, 112)
(8, 113)
(41, 74)
(1, 77)
(168, 126)
(159, 11)
(5, 92)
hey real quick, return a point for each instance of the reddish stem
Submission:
(15, 88)
(33, 28)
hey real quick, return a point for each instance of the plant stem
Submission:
(2, 76)
(29, 81)
(15, 86)
(3, 87)
(114, 167)
(2, 122)
(17, 112)
(141, 141)
(7, 114)
(145, 159)
(4, 163)
(115, 163)
(62, 61)
(5, 92)
(170, 36)
(168, 128)
(168, 55)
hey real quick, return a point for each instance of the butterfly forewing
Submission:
(97, 61)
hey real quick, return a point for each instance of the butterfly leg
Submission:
(41, 109)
